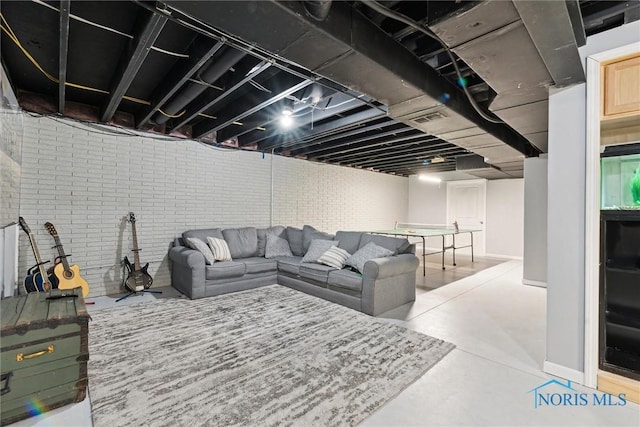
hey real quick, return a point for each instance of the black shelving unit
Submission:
(620, 292)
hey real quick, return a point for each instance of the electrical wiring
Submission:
(4, 26)
(172, 116)
(413, 24)
(203, 83)
(104, 27)
(259, 86)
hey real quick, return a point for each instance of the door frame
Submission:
(592, 210)
(450, 184)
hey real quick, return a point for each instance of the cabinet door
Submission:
(622, 88)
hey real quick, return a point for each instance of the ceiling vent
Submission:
(430, 117)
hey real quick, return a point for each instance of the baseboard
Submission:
(503, 256)
(563, 372)
(534, 283)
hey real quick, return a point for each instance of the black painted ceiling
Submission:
(138, 64)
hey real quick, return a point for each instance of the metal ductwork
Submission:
(350, 49)
(519, 48)
(317, 9)
(209, 74)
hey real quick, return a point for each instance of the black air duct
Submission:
(317, 9)
(213, 72)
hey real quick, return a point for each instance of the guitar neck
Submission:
(36, 254)
(63, 256)
(136, 256)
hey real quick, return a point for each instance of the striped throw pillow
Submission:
(334, 257)
(219, 248)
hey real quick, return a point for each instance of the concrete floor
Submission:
(498, 326)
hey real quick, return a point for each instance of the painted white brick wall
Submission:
(85, 180)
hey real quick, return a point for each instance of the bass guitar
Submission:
(36, 281)
(138, 278)
(68, 276)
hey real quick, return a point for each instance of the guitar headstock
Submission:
(51, 229)
(24, 226)
(132, 218)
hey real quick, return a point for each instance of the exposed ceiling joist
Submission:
(240, 110)
(65, 6)
(132, 61)
(200, 52)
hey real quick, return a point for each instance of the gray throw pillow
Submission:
(309, 233)
(317, 248)
(200, 246)
(366, 253)
(276, 246)
(294, 236)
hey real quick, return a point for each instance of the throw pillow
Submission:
(276, 246)
(200, 246)
(294, 236)
(317, 248)
(309, 233)
(334, 257)
(219, 248)
(366, 253)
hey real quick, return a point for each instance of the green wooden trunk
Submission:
(44, 352)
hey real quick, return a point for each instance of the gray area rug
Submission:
(268, 356)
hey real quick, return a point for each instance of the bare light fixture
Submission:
(287, 116)
(429, 178)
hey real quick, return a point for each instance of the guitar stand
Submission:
(138, 292)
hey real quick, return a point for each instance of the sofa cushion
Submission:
(260, 265)
(289, 264)
(349, 240)
(243, 242)
(225, 270)
(309, 233)
(276, 247)
(203, 233)
(366, 253)
(200, 246)
(334, 257)
(316, 272)
(219, 248)
(394, 244)
(345, 279)
(261, 233)
(294, 236)
(317, 248)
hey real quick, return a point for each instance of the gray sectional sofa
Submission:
(385, 283)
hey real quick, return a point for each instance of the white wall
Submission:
(504, 205)
(505, 218)
(427, 202)
(85, 181)
(534, 268)
(566, 214)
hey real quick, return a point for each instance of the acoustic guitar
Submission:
(36, 281)
(138, 278)
(68, 276)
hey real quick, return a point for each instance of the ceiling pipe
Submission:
(213, 72)
(317, 9)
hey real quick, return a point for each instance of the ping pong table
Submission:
(425, 231)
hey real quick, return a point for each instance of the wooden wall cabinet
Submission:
(620, 105)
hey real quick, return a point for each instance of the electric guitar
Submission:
(138, 279)
(68, 276)
(35, 281)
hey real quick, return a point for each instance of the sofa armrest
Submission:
(381, 268)
(388, 283)
(187, 271)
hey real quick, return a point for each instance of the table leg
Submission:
(443, 250)
(424, 257)
(454, 248)
(471, 233)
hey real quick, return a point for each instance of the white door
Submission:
(466, 204)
